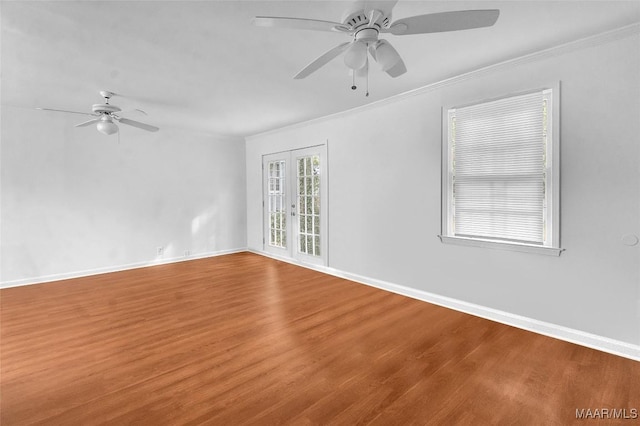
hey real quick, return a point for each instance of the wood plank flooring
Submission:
(243, 339)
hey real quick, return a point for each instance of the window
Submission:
(500, 173)
(309, 204)
(277, 204)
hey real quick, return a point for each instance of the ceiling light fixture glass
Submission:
(356, 55)
(386, 55)
(361, 73)
(107, 126)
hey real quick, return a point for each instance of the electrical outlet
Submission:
(160, 251)
(187, 253)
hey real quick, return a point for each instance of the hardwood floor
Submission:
(243, 339)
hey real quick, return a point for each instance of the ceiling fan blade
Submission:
(299, 23)
(88, 123)
(322, 60)
(70, 112)
(373, 15)
(128, 111)
(445, 21)
(138, 124)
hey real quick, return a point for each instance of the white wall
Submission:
(75, 201)
(384, 193)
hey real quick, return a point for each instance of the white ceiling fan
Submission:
(366, 20)
(104, 116)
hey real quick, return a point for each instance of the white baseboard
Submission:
(578, 337)
(115, 268)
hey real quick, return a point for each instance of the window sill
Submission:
(527, 248)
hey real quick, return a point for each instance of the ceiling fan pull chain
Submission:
(366, 69)
(353, 80)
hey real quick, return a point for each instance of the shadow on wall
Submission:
(205, 227)
(201, 240)
(208, 232)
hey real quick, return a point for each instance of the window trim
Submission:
(552, 247)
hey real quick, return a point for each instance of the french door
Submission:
(294, 204)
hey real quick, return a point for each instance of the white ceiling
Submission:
(202, 65)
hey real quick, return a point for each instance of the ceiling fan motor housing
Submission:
(367, 35)
(105, 109)
(359, 18)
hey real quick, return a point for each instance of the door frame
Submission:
(292, 227)
(267, 247)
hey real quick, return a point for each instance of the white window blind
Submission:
(498, 169)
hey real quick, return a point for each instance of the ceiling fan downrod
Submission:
(106, 95)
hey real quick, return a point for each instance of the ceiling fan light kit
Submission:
(356, 56)
(386, 55)
(364, 25)
(106, 126)
(104, 116)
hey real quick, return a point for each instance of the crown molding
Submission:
(561, 49)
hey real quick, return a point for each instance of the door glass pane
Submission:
(277, 204)
(316, 246)
(308, 188)
(309, 244)
(316, 205)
